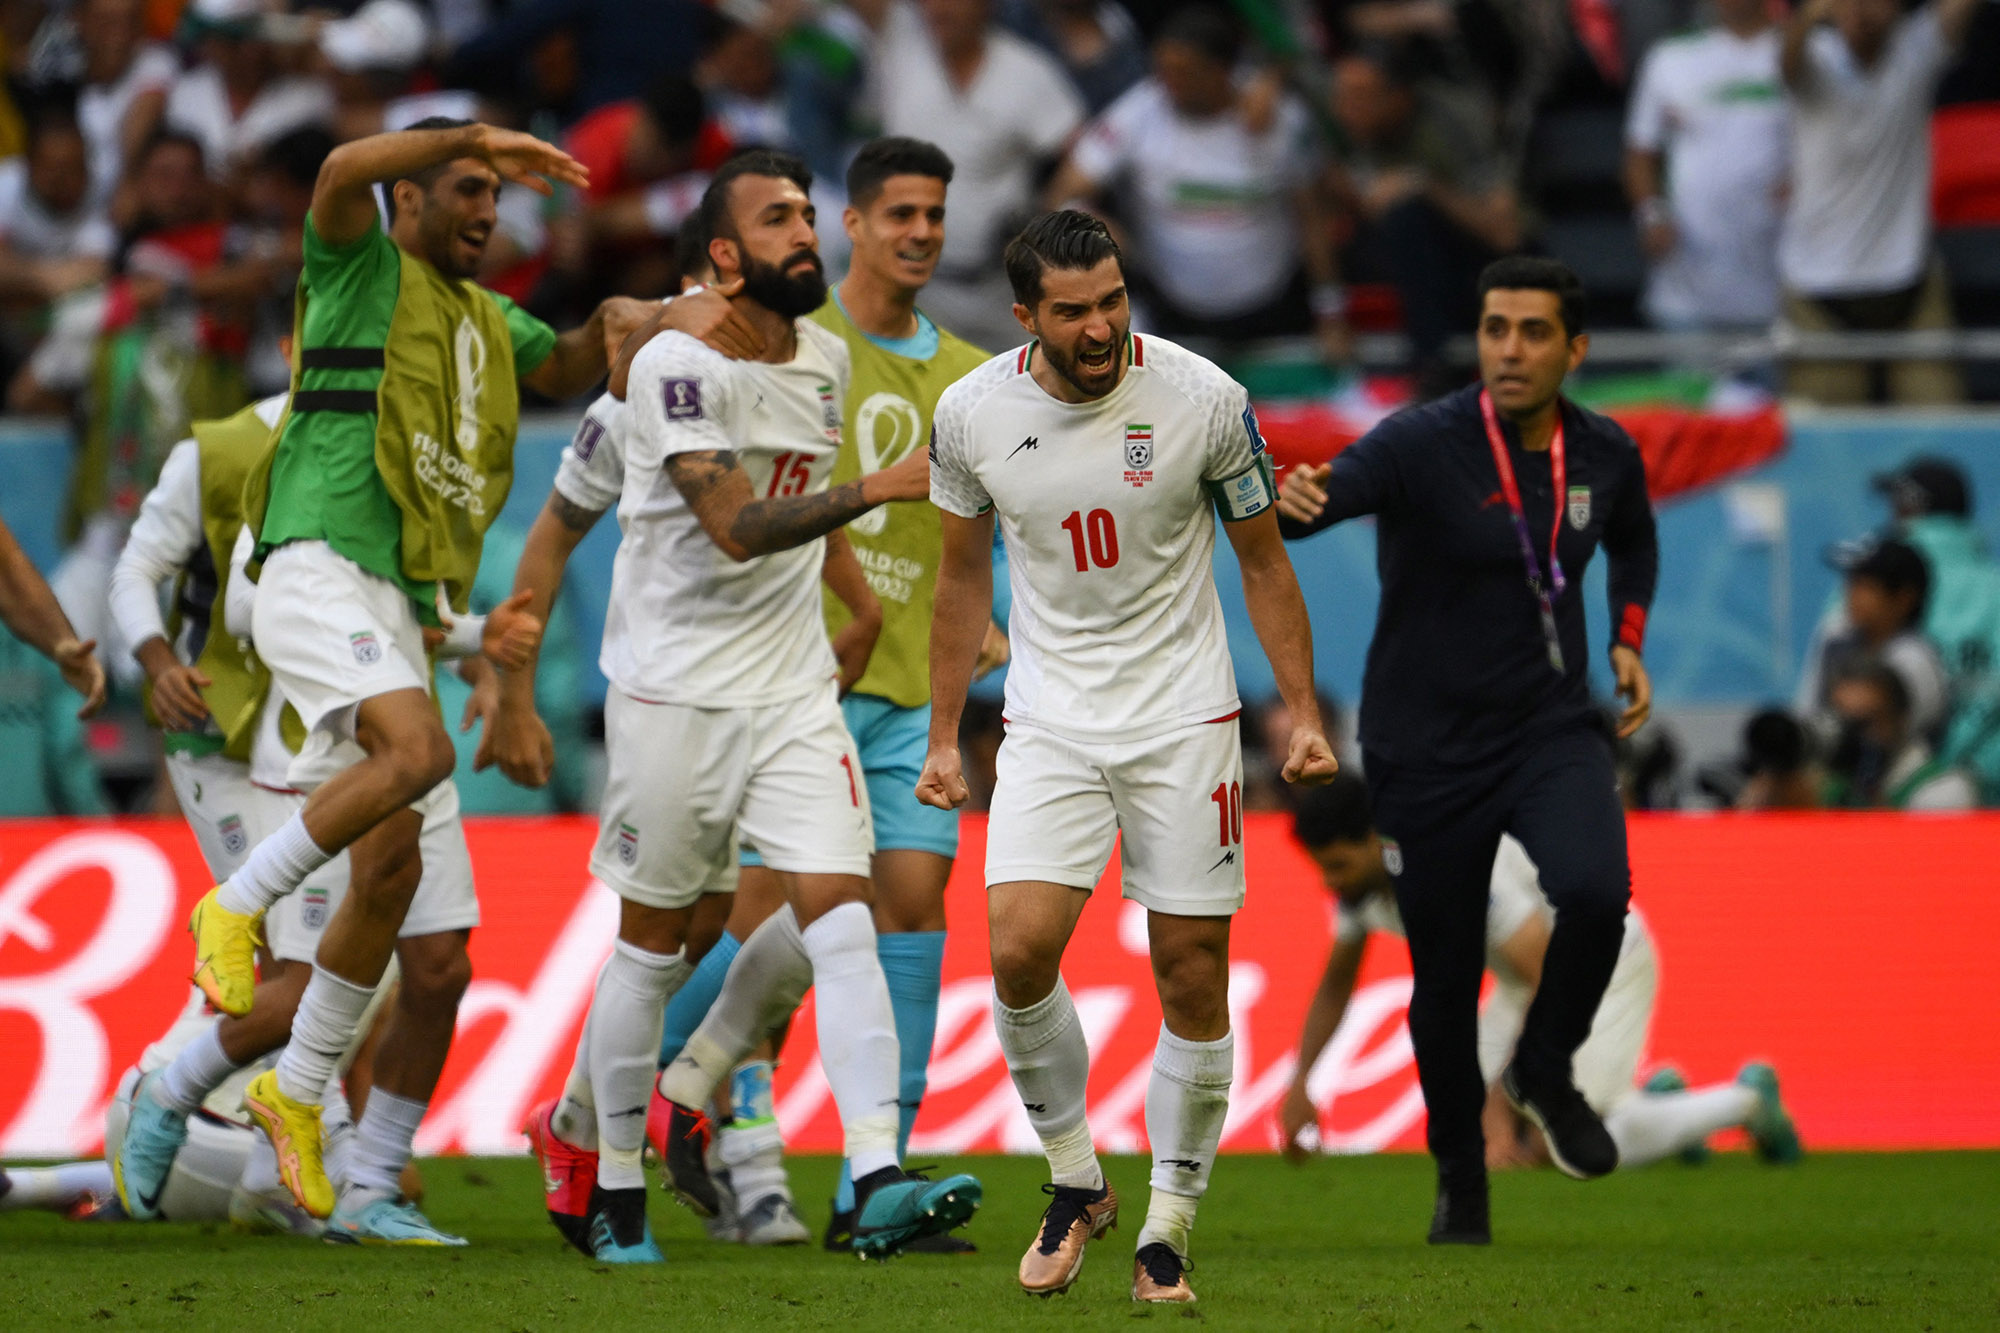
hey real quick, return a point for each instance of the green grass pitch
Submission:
(1841, 1242)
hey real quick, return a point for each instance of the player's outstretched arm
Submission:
(343, 202)
(841, 572)
(959, 617)
(1278, 614)
(516, 738)
(718, 490)
(581, 356)
(1323, 1015)
(30, 611)
(706, 313)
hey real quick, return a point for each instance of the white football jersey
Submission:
(686, 624)
(1104, 506)
(591, 474)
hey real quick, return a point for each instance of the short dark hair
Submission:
(1066, 239)
(297, 156)
(426, 178)
(879, 159)
(676, 106)
(1209, 29)
(1872, 670)
(691, 248)
(714, 210)
(1775, 742)
(1337, 812)
(1536, 274)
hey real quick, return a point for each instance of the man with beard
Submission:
(370, 507)
(1101, 454)
(724, 712)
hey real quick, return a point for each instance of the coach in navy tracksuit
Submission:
(1476, 717)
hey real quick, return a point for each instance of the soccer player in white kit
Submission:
(1101, 454)
(723, 710)
(1648, 1122)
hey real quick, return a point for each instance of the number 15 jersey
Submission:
(1104, 506)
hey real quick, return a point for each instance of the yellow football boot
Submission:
(294, 1130)
(225, 947)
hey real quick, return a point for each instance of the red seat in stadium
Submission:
(1965, 165)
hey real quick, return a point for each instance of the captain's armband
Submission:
(1247, 494)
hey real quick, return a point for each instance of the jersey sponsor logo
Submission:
(1257, 445)
(589, 434)
(469, 353)
(628, 844)
(1032, 443)
(1392, 857)
(314, 912)
(367, 650)
(234, 840)
(682, 399)
(1579, 507)
(1138, 453)
(887, 427)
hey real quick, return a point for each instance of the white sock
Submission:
(1187, 1099)
(755, 1156)
(1652, 1125)
(575, 1118)
(766, 980)
(274, 868)
(857, 1034)
(382, 1139)
(336, 1122)
(626, 1015)
(329, 1015)
(55, 1189)
(198, 1070)
(1050, 1062)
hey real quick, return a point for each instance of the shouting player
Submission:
(1101, 454)
(396, 453)
(724, 710)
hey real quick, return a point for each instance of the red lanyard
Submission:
(1545, 591)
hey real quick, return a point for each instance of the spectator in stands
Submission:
(1434, 200)
(1777, 767)
(1886, 587)
(1096, 41)
(271, 225)
(125, 83)
(1879, 761)
(623, 47)
(1230, 236)
(738, 74)
(649, 160)
(1931, 503)
(370, 57)
(52, 240)
(237, 101)
(1003, 111)
(1855, 252)
(1706, 162)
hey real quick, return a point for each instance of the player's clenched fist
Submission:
(942, 782)
(1311, 762)
(1303, 493)
(513, 633)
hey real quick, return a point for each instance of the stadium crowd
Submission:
(1304, 170)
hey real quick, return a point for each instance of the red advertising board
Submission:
(1853, 951)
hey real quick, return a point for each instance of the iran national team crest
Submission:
(829, 407)
(628, 844)
(1579, 507)
(1138, 454)
(366, 650)
(314, 910)
(234, 840)
(1392, 857)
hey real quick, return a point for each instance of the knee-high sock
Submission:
(274, 868)
(765, 983)
(199, 1069)
(382, 1143)
(1651, 1125)
(1187, 1100)
(574, 1119)
(1050, 1061)
(692, 1002)
(55, 1189)
(329, 1015)
(913, 963)
(750, 1145)
(624, 1036)
(857, 1033)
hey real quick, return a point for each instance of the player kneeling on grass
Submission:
(1659, 1119)
(1101, 454)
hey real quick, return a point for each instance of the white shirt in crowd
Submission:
(199, 105)
(101, 108)
(1116, 627)
(1714, 104)
(1212, 203)
(686, 624)
(28, 228)
(1859, 220)
(1018, 112)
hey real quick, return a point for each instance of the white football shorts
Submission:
(682, 781)
(1060, 805)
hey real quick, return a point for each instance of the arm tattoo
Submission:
(760, 527)
(573, 515)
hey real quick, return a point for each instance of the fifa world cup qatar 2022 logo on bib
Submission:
(1138, 454)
